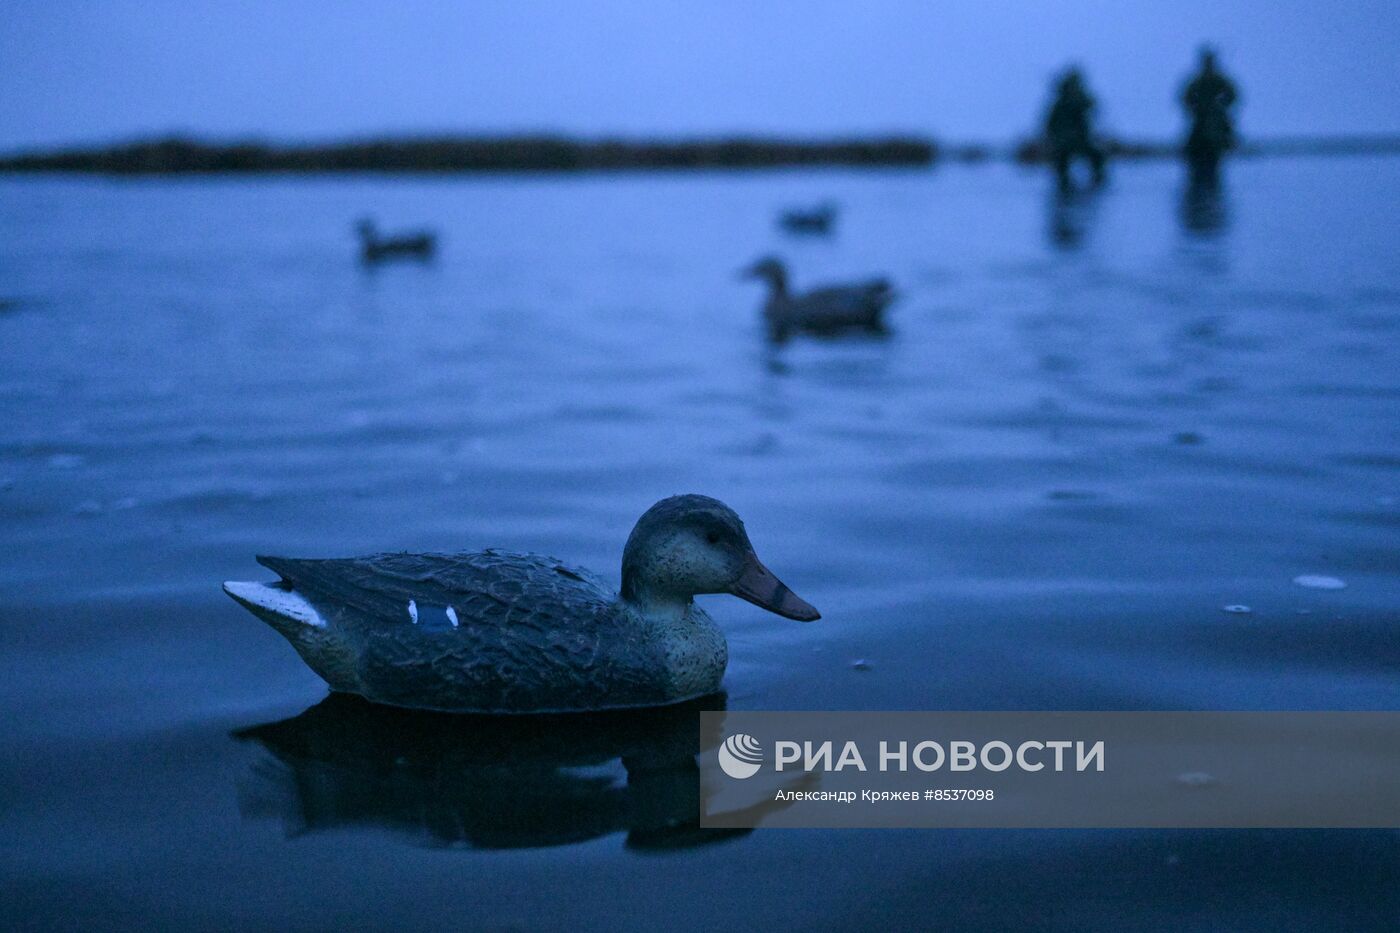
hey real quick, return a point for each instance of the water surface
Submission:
(1094, 426)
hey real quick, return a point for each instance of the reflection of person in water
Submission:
(1208, 98)
(1204, 210)
(1068, 219)
(1069, 129)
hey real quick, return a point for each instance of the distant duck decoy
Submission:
(817, 220)
(501, 632)
(376, 247)
(823, 311)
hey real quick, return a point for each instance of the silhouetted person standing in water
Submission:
(1208, 97)
(1069, 132)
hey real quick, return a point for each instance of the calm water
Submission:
(1093, 427)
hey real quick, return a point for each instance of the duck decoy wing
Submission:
(473, 589)
(859, 293)
(487, 632)
(845, 305)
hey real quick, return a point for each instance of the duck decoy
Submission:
(816, 220)
(824, 311)
(375, 247)
(502, 632)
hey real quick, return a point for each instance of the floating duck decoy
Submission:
(824, 311)
(374, 247)
(501, 632)
(816, 220)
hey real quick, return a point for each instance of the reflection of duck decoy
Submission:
(499, 632)
(484, 781)
(825, 311)
(818, 220)
(375, 247)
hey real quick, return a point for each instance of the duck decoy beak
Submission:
(758, 585)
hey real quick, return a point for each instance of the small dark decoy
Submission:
(822, 311)
(817, 220)
(500, 632)
(375, 247)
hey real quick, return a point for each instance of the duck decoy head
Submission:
(689, 545)
(770, 268)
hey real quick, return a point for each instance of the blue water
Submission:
(1093, 426)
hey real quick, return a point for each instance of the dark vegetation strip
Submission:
(524, 154)
(177, 156)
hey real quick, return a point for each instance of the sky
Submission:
(92, 71)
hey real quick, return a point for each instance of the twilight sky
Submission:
(98, 70)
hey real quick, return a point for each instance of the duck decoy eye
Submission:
(712, 537)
